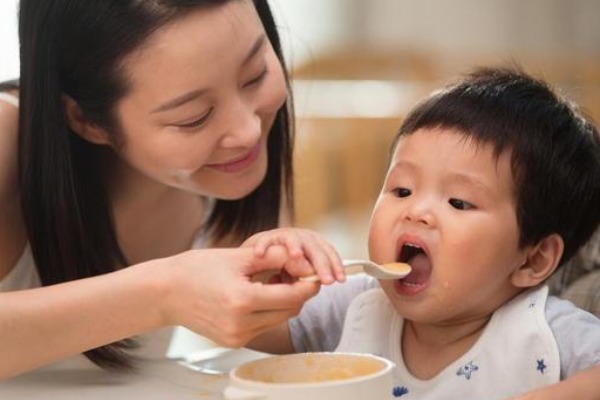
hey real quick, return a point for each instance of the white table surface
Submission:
(155, 380)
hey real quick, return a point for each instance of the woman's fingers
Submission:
(335, 260)
(280, 297)
(324, 259)
(255, 308)
(274, 258)
(286, 237)
(308, 254)
(212, 292)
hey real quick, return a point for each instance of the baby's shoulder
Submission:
(577, 335)
(562, 315)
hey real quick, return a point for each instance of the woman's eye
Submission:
(258, 78)
(196, 123)
(401, 192)
(460, 204)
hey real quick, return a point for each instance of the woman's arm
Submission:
(42, 325)
(208, 291)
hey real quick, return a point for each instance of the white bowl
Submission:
(314, 376)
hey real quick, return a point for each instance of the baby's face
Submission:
(447, 208)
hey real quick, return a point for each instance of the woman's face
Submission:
(204, 91)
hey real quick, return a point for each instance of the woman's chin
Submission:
(238, 191)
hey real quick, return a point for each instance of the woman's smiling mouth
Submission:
(238, 164)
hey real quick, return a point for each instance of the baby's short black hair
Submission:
(555, 150)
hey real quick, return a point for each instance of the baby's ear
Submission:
(81, 125)
(542, 259)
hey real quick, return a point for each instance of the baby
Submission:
(493, 184)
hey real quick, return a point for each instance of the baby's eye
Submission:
(461, 204)
(401, 192)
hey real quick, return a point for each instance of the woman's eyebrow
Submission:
(178, 101)
(185, 98)
(258, 44)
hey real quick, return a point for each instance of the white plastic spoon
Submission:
(396, 270)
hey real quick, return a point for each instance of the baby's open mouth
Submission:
(419, 261)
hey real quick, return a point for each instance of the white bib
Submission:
(516, 352)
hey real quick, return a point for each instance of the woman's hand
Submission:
(211, 292)
(309, 253)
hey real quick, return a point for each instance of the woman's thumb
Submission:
(262, 267)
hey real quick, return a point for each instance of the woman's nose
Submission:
(244, 126)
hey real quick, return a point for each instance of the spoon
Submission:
(395, 270)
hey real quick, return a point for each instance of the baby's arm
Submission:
(309, 253)
(584, 385)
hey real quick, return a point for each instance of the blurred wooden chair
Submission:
(341, 160)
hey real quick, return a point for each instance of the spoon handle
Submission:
(385, 271)
(351, 262)
(348, 262)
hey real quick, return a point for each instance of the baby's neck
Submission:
(439, 345)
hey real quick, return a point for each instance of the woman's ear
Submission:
(542, 260)
(81, 125)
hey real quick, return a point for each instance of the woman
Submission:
(146, 128)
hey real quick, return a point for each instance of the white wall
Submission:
(9, 48)
(311, 27)
(542, 27)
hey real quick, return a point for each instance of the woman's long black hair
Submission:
(76, 48)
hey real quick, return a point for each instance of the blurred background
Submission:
(358, 66)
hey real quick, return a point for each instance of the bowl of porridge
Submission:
(312, 376)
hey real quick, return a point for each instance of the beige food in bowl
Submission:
(314, 376)
(309, 367)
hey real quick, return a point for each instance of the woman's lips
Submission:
(238, 164)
